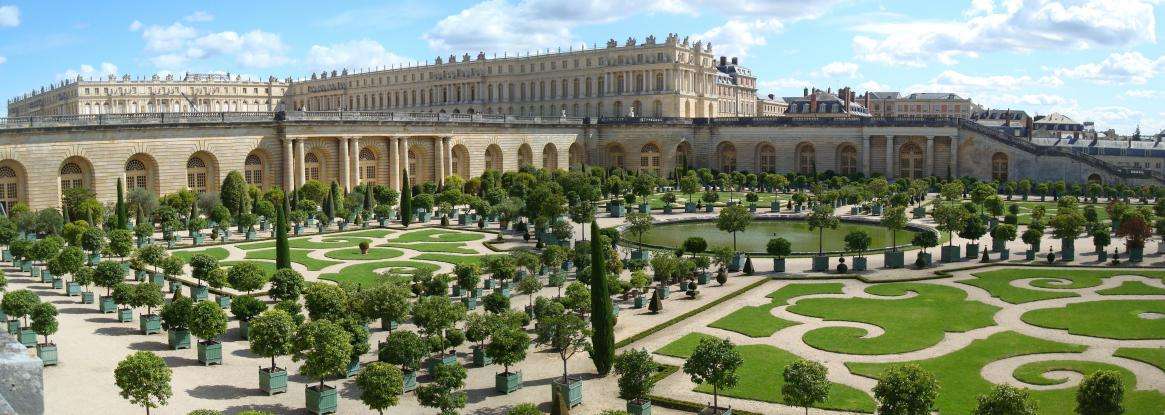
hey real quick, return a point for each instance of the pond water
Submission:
(756, 237)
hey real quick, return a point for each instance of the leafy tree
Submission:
(405, 349)
(325, 349)
(820, 219)
(44, 320)
(435, 314)
(271, 334)
(779, 247)
(894, 219)
(857, 241)
(638, 224)
(1100, 393)
(1005, 400)
(388, 302)
(637, 374)
(68, 261)
(148, 295)
(247, 307)
(805, 384)
(201, 265)
(695, 245)
(602, 320)
(714, 362)
(120, 242)
(108, 274)
(507, 346)
(496, 302)
(567, 333)
(906, 390)
(144, 379)
(325, 301)
(733, 219)
(1032, 237)
(93, 240)
(246, 276)
(380, 385)
(444, 392)
(951, 218)
(207, 321)
(176, 314)
(286, 284)
(122, 213)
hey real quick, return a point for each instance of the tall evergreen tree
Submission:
(369, 201)
(406, 201)
(282, 247)
(193, 212)
(336, 196)
(234, 193)
(602, 321)
(122, 214)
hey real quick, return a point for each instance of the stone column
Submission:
(300, 174)
(889, 157)
(954, 157)
(866, 155)
(354, 155)
(439, 160)
(930, 155)
(447, 155)
(393, 164)
(288, 165)
(345, 164)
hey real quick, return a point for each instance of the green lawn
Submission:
(297, 255)
(1133, 288)
(1155, 357)
(1025, 210)
(958, 372)
(437, 235)
(758, 321)
(266, 266)
(454, 259)
(216, 252)
(355, 255)
(304, 242)
(447, 247)
(1063, 401)
(1109, 319)
(910, 324)
(760, 376)
(365, 273)
(998, 282)
(763, 199)
(371, 233)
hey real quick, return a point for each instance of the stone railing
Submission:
(21, 379)
(10, 123)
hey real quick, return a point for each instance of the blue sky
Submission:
(1098, 61)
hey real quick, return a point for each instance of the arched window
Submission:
(136, 176)
(196, 174)
(525, 156)
(367, 166)
(684, 154)
(493, 158)
(806, 159)
(550, 157)
(766, 158)
(9, 187)
(311, 166)
(414, 167)
(615, 155)
(847, 160)
(71, 176)
(649, 159)
(999, 167)
(727, 157)
(459, 161)
(253, 170)
(910, 161)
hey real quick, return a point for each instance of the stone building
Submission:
(158, 94)
(922, 104)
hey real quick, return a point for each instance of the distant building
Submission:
(770, 106)
(1016, 123)
(1057, 125)
(735, 89)
(825, 104)
(924, 104)
(125, 95)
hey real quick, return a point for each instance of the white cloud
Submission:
(9, 16)
(88, 71)
(999, 91)
(1009, 25)
(736, 37)
(781, 87)
(840, 69)
(3, 60)
(363, 53)
(873, 86)
(199, 16)
(785, 9)
(176, 45)
(1117, 68)
(135, 26)
(167, 38)
(1144, 93)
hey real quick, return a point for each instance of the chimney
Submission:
(813, 103)
(867, 100)
(805, 93)
(845, 93)
(734, 61)
(723, 60)
(771, 96)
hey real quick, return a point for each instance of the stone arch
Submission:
(684, 154)
(420, 171)
(141, 172)
(847, 159)
(649, 159)
(805, 155)
(1095, 178)
(550, 156)
(726, 156)
(578, 157)
(1000, 163)
(766, 158)
(525, 155)
(202, 172)
(911, 162)
(76, 171)
(369, 165)
(315, 164)
(615, 155)
(257, 169)
(459, 161)
(13, 184)
(493, 158)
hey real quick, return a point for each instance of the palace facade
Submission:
(157, 94)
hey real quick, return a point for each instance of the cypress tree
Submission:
(193, 213)
(282, 247)
(65, 213)
(138, 216)
(329, 209)
(369, 201)
(122, 214)
(406, 201)
(602, 322)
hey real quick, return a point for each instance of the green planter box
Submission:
(209, 352)
(176, 286)
(860, 263)
(125, 315)
(1068, 250)
(919, 212)
(158, 279)
(639, 301)
(667, 210)
(644, 208)
(58, 283)
(998, 245)
(1030, 255)
(449, 359)
(46, 277)
(178, 339)
(107, 305)
(469, 302)
(150, 323)
(272, 381)
(321, 401)
(926, 258)
(47, 353)
(1005, 254)
(245, 329)
(702, 278)
(972, 251)
(25, 266)
(893, 259)
(353, 368)
(27, 337)
(6, 255)
(572, 391)
(508, 382)
(820, 263)
(199, 292)
(223, 301)
(387, 325)
(480, 359)
(410, 380)
(1136, 254)
(86, 297)
(736, 263)
(73, 289)
(639, 407)
(949, 253)
(640, 255)
(12, 326)
(709, 410)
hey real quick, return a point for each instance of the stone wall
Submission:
(21, 379)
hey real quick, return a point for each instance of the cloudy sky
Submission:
(1099, 61)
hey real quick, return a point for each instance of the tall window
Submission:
(999, 167)
(767, 158)
(615, 155)
(550, 157)
(525, 156)
(9, 187)
(253, 170)
(196, 174)
(367, 166)
(910, 161)
(136, 176)
(414, 167)
(493, 158)
(847, 160)
(727, 156)
(459, 162)
(806, 159)
(649, 159)
(71, 176)
(311, 166)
